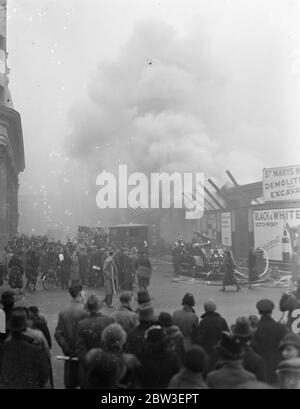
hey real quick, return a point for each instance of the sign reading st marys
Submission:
(281, 183)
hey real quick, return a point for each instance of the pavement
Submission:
(166, 296)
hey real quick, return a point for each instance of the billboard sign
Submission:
(277, 231)
(226, 229)
(281, 183)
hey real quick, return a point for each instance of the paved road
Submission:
(167, 296)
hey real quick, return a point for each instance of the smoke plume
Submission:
(218, 98)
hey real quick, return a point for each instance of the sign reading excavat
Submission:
(281, 183)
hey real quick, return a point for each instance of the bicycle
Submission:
(50, 280)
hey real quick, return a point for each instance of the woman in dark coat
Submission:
(174, 336)
(113, 340)
(229, 277)
(252, 262)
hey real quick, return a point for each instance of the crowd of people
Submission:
(137, 348)
(115, 269)
(142, 349)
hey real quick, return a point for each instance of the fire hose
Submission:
(265, 270)
(238, 273)
(245, 276)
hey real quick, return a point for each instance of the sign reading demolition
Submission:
(277, 231)
(281, 183)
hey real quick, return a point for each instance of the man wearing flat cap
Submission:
(267, 338)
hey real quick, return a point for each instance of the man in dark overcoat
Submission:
(209, 331)
(66, 334)
(267, 338)
(89, 332)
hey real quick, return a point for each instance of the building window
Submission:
(2, 43)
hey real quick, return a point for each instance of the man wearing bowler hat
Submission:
(135, 339)
(230, 373)
(267, 338)
(24, 360)
(252, 362)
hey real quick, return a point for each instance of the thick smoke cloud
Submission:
(219, 98)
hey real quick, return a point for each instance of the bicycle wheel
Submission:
(48, 282)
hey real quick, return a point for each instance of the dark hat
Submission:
(188, 299)
(242, 328)
(230, 347)
(290, 339)
(143, 297)
(166, 319)
(18, 320)
(146, 313)
(8, 298)
(34, 309)
(125, 296)
(265, 306)
(155, 334)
